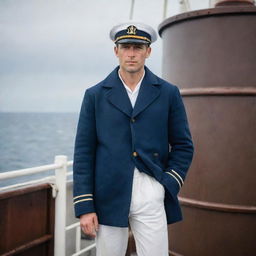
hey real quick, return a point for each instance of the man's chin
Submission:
(132, 69)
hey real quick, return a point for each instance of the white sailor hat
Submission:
(133, 32)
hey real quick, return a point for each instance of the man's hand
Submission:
(89, 224)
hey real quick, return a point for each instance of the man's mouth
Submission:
(131, 62)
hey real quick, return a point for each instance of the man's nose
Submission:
(131, 52)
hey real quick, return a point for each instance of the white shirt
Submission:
(133, 97)
(132, 94)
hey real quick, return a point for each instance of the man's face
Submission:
(132, 56)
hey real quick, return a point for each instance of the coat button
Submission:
(135, 154)
(155, 154)
(133, 120)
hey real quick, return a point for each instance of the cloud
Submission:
(50, 49)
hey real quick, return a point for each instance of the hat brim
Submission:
(132, 41)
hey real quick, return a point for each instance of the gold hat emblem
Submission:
(131, 30)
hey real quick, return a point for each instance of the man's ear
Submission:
(116, 50)
(148, 51)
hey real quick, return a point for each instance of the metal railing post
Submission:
(78, 239)
(60, 207)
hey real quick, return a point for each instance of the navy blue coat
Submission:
(112, 138)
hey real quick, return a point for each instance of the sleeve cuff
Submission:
(83, 204)
(171, 183)
(176, 176)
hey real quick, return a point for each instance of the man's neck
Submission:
(131, 79)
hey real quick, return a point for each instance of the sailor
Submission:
(133, 149)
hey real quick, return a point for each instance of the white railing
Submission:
(59, 190)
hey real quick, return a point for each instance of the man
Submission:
(132, 152)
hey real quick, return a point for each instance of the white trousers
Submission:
(147, 220)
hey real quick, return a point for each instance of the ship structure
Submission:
(210, 55)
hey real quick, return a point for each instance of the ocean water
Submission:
(33, 139)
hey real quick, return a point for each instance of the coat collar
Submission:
(118, 96)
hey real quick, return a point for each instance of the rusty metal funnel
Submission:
(222, 3)
(210, 55)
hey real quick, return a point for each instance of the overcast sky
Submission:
(52, 50)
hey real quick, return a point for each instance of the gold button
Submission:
(133, 120)
(135, 154)
(155, 154)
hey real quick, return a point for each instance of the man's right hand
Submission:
(89, 224)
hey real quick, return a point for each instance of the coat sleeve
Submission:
(181, 146)
(84, 158)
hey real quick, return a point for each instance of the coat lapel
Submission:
(117, 95)
(148, 92)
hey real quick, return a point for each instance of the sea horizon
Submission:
(30, 139)
(40, 112)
